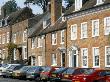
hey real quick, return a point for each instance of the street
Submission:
(13, 80)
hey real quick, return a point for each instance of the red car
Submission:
(68, 74)
(88, 75)
(104, 76)
(46, 73)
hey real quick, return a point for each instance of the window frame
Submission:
(82, 54)
(0, 39)
(105, 26)
(3, 38)
(99, 2)
(33, 39)
(24, 52)
(83, 30)
(8, 37)
(25, 36)
(54, 57)
(14, 38)
(54, 38)
(62, 36)
(93, 28)
(106, 57)
(73, 32)
(97, 66)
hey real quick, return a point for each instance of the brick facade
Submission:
(99, 41)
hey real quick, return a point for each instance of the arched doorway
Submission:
(73, 57)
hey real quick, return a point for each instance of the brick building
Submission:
(55, 37)
(13, 30)
(88, 34)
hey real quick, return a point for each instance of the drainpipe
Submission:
(27, 46)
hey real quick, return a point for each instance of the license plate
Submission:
(65, 75)
(53, 75)
(77, 81)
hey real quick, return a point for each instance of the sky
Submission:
(20, 3)
(36, 9)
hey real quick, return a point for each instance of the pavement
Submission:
(13, 80)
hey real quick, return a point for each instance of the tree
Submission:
(10, 6)
(42, 3)
(10, 47)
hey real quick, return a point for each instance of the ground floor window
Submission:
(54, 59)
(107, 56)
(96, 61)
(40, 60)
(84, 52)
(15, 54)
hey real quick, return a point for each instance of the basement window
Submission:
(99, 2)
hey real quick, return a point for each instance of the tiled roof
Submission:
(59, 25)
(37, 26)
(89, 4)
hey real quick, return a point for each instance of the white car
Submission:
(3, 68)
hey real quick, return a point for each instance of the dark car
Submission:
(21, 73)
(46, 73)
(57, 74)
(12, 68)
(34, 72)
(104, 76)
(88, 75)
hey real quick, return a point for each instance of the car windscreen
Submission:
(69, 71)
(33, 69)
(25, 68)
(87, 71)
(11, 67)
(59, 70)
(5, 65)
(18, 67)
(107, 72)
(47, 69)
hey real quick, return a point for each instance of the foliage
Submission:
(42, 3)
(10, 6)
(69, 3)
(10, 47)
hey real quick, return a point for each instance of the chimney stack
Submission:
(56, 10)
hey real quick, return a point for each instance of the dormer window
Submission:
(99, 2)
(78, 5)
(5, 20)
(46, 23)
(0, 23)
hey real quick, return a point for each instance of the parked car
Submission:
(57, 74)
(12, 68)
(3, 69)
(21, 73)
(104, 76)
(46, 73)
(87, 75)
(34, 73)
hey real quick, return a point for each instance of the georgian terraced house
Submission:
(78, 37)
(88, 28)
(13, 28)
(48, 40)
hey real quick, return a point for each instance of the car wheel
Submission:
(95, 81)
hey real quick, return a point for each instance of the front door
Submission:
(73, 59)
(63, 59)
